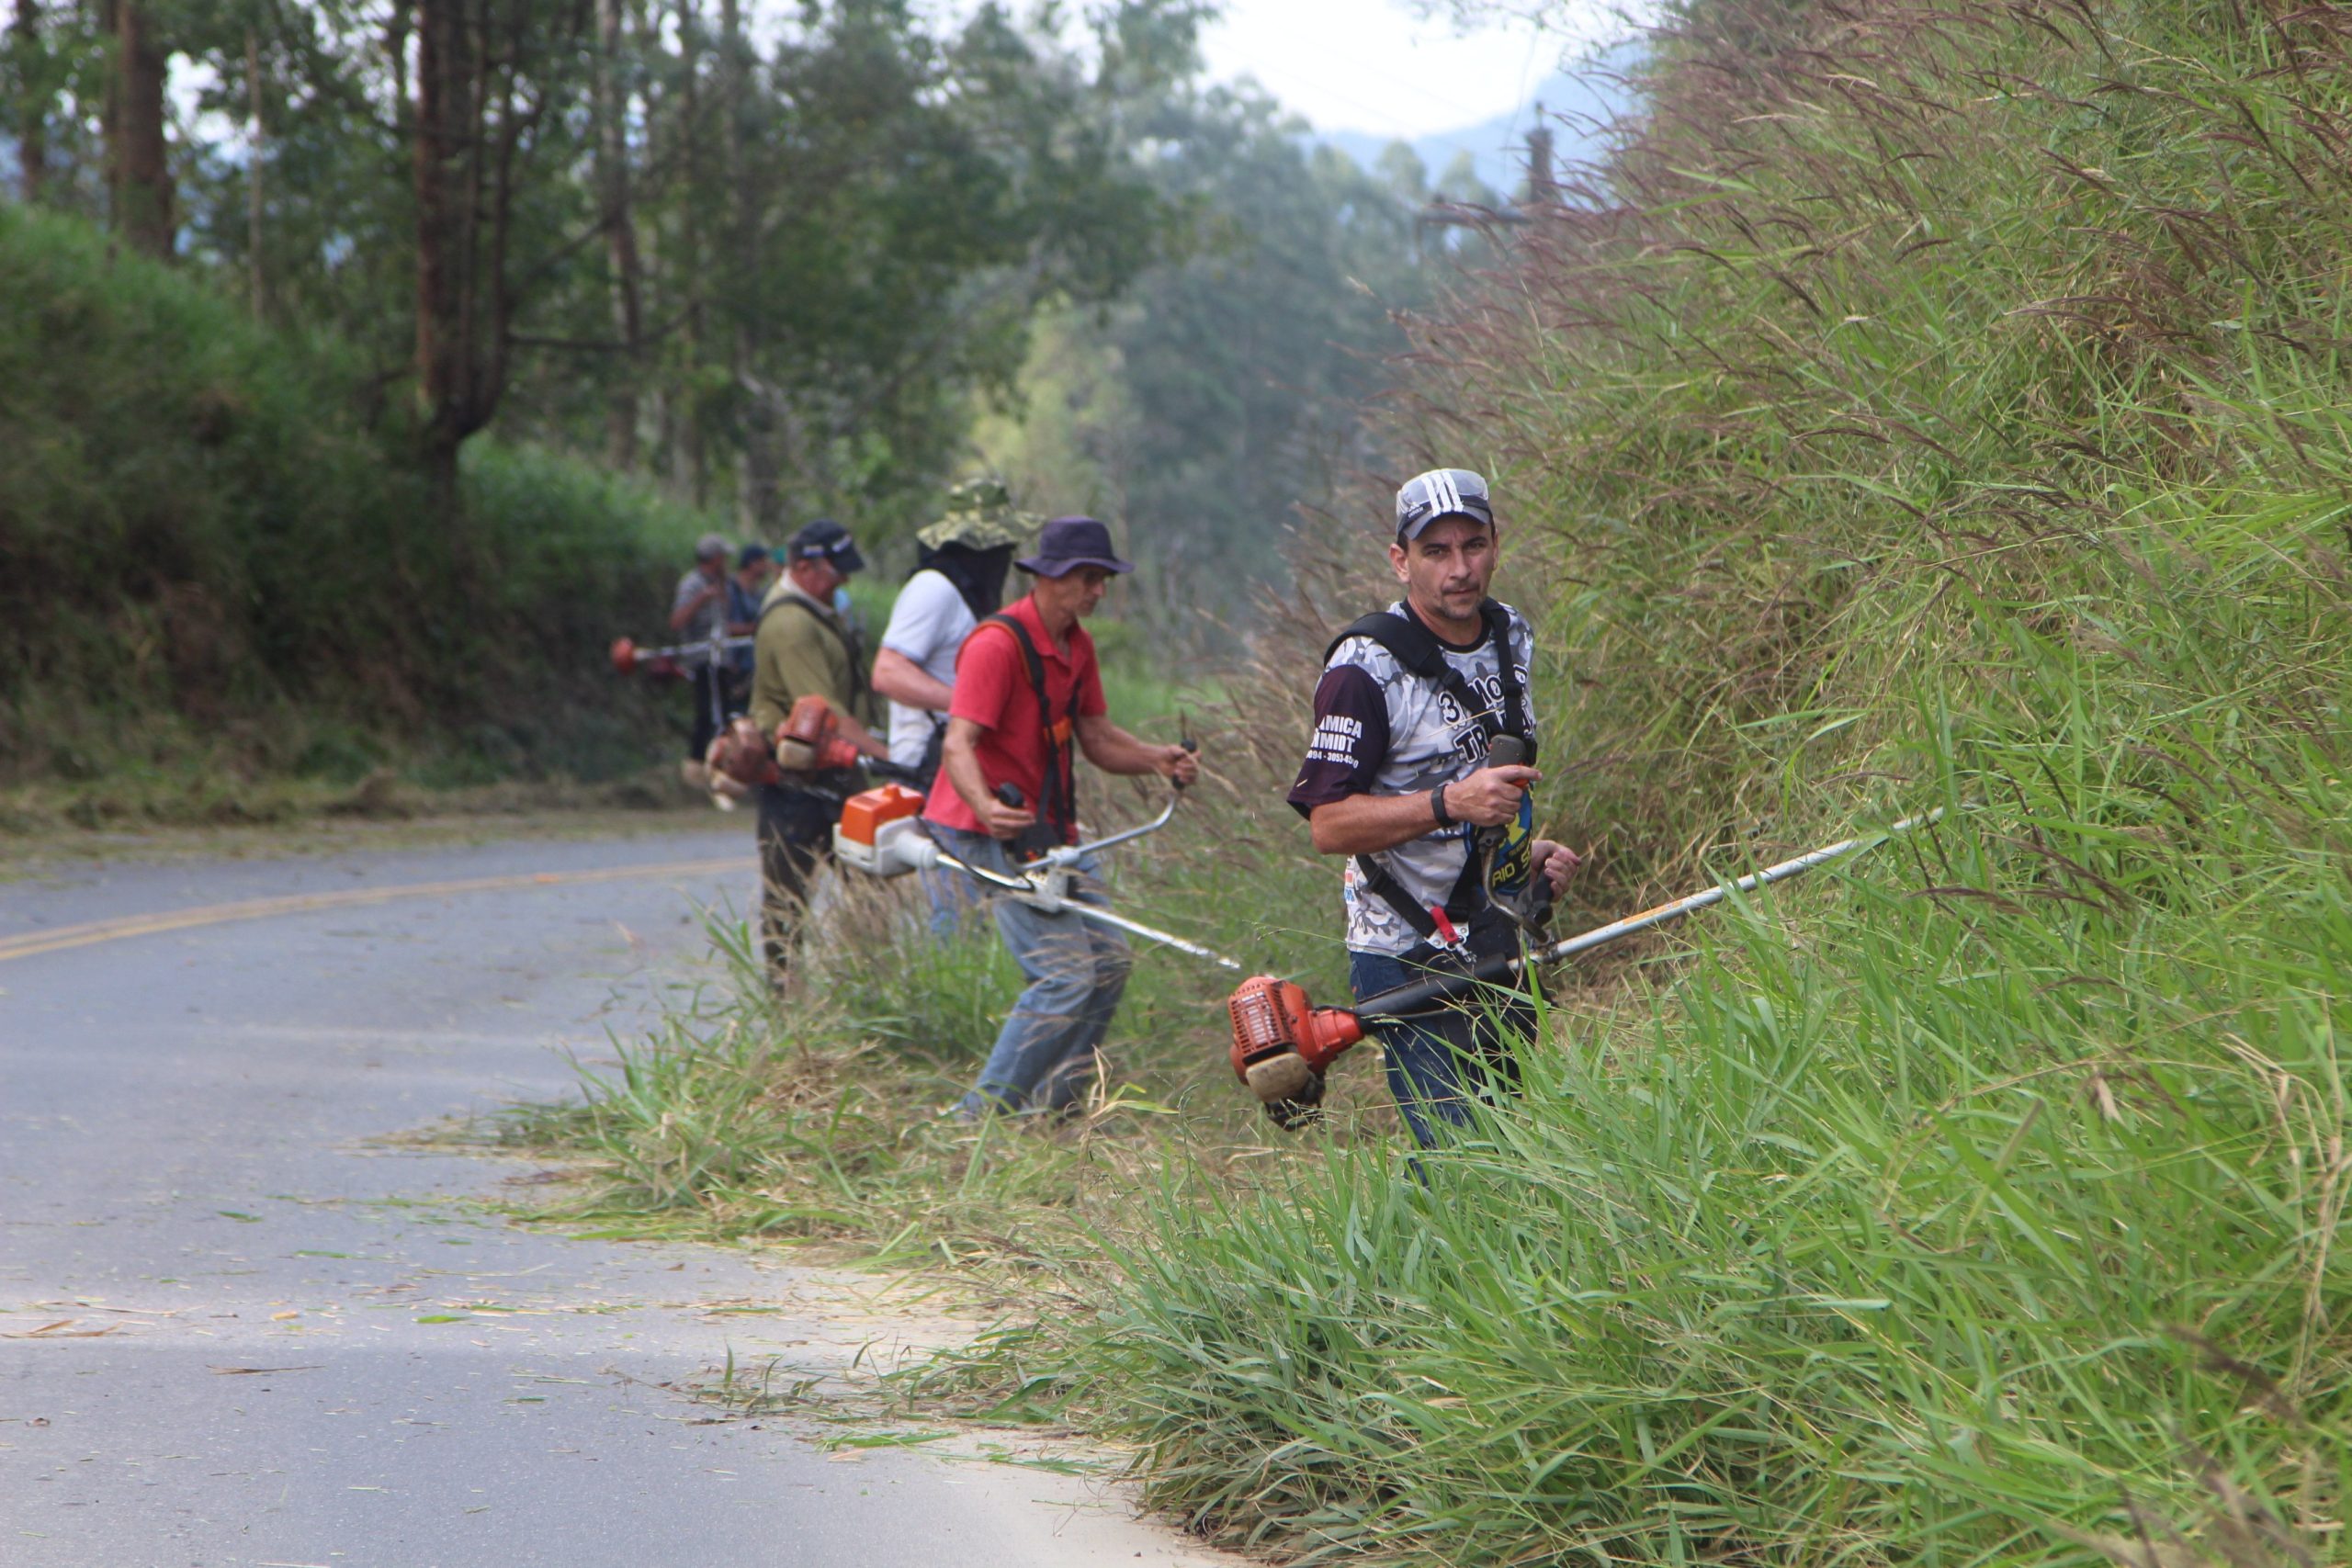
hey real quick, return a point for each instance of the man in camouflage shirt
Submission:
(1398, 778)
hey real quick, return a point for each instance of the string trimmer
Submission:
(675, 662)
(1283, 1042)
(881, 833)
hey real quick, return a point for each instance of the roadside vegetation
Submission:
(1938, 406)
(227, 598)
(314, 498)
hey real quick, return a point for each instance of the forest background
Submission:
(369, 365)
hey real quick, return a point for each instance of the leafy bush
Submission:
(220, 559)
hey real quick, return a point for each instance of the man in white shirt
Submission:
(960, 579)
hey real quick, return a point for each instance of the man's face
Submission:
(817, 577)
(1080, 591)
(713, 567)
(1448, 566)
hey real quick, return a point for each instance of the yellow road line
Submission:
(32, 944)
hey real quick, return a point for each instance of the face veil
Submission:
(978, 575)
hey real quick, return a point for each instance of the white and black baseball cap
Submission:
(1442, 493)
(826, 540)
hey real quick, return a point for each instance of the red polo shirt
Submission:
(993, 691)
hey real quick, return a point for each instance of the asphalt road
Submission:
(237, 1327)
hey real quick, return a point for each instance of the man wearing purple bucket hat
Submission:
(1028, 697)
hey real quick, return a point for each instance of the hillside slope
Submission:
(220, 568)
(1956, 414)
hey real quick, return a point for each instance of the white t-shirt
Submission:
(928, 623)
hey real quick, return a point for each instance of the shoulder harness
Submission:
(849, 650)
(1417, 650)
(1060, 805)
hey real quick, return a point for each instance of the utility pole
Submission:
(1542, 189)
(1542, 182)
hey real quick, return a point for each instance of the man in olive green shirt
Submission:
(806, 645)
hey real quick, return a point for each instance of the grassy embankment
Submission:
(226, 598)
(1955, 411)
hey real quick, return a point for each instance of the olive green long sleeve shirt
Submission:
(803, 650)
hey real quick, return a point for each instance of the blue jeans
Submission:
(953, 896)
(1077, 969)
(1438, 1061)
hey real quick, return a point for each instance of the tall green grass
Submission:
(220, 565)
(1945, 405)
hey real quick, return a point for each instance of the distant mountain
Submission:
(1577, 107)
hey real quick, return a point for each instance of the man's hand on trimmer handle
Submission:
(1489, 797)
(1006, 813)
(1180, 763)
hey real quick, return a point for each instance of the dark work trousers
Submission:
(796, 836)
(704, 730)
(1438, 1061)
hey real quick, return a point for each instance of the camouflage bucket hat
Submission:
(979, 516)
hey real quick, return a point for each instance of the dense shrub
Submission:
(214, 550)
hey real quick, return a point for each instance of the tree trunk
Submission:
(479, 101)
(32, 80)
(255, 151)
(758, 498)
(620, 235)
(692, 456)
(446, 125)
(137, 160)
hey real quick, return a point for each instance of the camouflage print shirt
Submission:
(1380, 730)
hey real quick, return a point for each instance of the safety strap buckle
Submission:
(1447, 937)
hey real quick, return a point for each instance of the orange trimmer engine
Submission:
(661, 663)
(810, 741)
(1283, 1042)
(739, 760)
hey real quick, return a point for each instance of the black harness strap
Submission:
(1416, 650)
(1061, 750)
(849, 650)
(1415, 647)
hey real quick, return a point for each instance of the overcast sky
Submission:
(1374, 65)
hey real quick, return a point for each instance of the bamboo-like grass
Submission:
(1926, 404)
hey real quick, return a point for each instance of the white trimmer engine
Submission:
(881, 833)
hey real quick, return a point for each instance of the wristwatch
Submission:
(1437, 807)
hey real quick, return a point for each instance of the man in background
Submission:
(698, 609)
(1028, 696)
(746, 591)
(805, 647)
(959, 578)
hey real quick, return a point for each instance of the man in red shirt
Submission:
(1028, 696)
